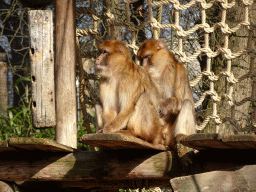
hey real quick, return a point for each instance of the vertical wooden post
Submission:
(42, 68)
(3, 85)
(66, 108)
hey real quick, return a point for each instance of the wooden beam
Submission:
(31, 143)
(42, 68)
(66, 107)
(81, 165)
(216, 141)
(114, 165)
(3, 85)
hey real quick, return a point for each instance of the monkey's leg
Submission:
(99, 116)
(185, 123)
(121, 120)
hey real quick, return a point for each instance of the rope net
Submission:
(188, 29)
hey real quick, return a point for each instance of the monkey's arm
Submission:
(108, 110)
(121, 120)
(99, 116)
(180, 88)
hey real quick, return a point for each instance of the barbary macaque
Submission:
(127, 94)
(176, 107)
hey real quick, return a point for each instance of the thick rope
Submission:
(157, 25)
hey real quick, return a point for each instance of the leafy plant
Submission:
(18, 121)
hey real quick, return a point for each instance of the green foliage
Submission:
(18, 121)
(82, 132)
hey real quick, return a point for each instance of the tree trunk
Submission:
(241, 65)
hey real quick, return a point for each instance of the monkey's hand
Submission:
(169, 106)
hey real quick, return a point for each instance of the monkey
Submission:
(127, 95)
(176, 105)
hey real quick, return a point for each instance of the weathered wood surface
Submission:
(235, 179)
(82, 165)
(42, 68)
(215, 141)
(65, 71)
(24, 143)
(3, 85)
(114, 164)
(118, 141)
(5, 147)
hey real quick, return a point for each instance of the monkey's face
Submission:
(113, 56)
(148, 51)
(152, 54)
(101, 60)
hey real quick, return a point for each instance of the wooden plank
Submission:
(214, 141)
(118, 141)
(114, 165)
(204, 141)
(65, 73)
(82, 165)
(240, 141)
(5, 147)
(235, 179)
(3, 85)
(42, 68)
(42, 144)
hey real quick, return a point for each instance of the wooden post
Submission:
(3, 85)
(66, 109)
(42, 68)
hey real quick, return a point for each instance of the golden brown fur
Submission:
(176, 105)
(127, 94)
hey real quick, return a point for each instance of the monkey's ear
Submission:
(161, 45)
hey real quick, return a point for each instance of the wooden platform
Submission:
(118, 141)
(28, 143)
(201, 141)
(197, 141)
